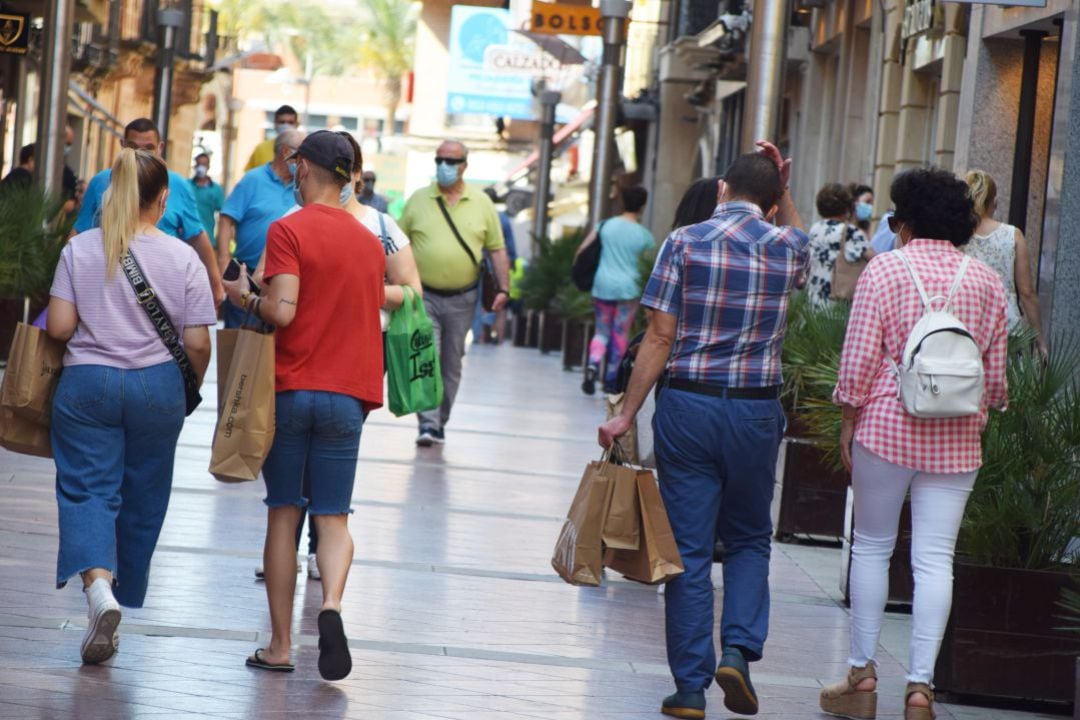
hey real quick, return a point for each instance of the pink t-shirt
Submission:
(113, 329)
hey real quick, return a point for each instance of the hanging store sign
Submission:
(920, 17)
(556, 19)
(14, 33)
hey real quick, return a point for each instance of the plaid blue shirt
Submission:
(728, 280)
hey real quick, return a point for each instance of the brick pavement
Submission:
(452, 610)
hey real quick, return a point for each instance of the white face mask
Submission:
(201, 171)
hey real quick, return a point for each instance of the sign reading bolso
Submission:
(491, 69)
(555, 19)
(14, 33)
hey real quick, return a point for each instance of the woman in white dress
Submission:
(1003, 247)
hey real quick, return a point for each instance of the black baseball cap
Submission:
(327, 150)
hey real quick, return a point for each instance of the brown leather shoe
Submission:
(844, 699)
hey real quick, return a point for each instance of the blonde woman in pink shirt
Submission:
(890, 452)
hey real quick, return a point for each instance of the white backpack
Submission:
(941, 372)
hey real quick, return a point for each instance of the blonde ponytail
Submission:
(120, 210)
(983, 191)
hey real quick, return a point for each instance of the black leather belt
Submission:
(770, 392)
(450, 293)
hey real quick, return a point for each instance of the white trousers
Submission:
(937, 507)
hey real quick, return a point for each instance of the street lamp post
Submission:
(609, 90)
(764, 75)
(169, 22)
(52, 110)
(549, 99)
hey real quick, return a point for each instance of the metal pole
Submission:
(168, 23)
(765, 71)
(548, 101)
(608, 95)
(52, 109)
(1025, 129)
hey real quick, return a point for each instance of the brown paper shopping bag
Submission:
(622, 524)
(578, 555)
(245, 428)
(32, 374)
(20, 435)
(224, 346)
(657, 560)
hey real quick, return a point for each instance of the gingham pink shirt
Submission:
(885, 308)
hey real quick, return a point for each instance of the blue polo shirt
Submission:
(181, 217)
(258, 199)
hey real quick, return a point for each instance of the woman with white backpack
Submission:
(923, 361)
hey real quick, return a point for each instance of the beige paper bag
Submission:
(245, 428)
(578, 552)
(622, 525)
(32, 374)
(20, 435)
(224, 346)
(657, 560)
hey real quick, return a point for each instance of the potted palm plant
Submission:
(1017, 548)
(544, 284)
(32, 233)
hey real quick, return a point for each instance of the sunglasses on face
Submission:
(448, 160)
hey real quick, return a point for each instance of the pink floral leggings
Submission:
(613, 322)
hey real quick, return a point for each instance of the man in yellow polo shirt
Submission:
(450, 225)
(285, 118)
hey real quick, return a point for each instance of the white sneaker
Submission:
(313, 568)
(101, 639)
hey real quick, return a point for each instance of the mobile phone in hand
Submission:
(232, 271)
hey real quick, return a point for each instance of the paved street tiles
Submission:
(452, 610)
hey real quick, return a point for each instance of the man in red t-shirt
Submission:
(324, 277)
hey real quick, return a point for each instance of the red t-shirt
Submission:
(335, 342)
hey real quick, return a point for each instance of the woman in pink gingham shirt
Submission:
(890, 452)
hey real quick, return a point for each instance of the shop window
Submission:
(933, 88)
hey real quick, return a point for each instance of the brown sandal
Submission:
(844, 699)
(919, 713)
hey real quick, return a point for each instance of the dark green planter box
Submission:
(1001, 643)
(575, 343)
(551, 332)
(526, 329)
(814, 496)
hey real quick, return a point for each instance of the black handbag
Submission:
(489, 285)
(147, 298)
(583, 271)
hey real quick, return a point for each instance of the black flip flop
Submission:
(335, 662)
(256, 661)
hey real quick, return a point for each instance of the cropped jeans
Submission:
(114, 435)
(937, 507)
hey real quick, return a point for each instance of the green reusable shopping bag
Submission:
(412, 360)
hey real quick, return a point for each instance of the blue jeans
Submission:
(114, 436)
(716, 460)
(317, 437)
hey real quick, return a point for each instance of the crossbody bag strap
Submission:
(147, 299)
(453, 227)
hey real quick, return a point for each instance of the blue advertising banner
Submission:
(491, 68)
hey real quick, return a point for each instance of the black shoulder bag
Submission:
(583, 270)
(147, 298)
(489, 286)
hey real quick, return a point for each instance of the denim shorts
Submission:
(318, 434)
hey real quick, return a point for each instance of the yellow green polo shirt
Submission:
(262, 154)
(442, 262)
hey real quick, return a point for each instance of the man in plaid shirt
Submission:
(719, 293)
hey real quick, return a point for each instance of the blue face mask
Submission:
(445, 174)
(282, 127)
(297, 196)
(292, 170)
(863, 211)
(346, 193)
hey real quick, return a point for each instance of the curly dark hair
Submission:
(834, 200)
(934, 204)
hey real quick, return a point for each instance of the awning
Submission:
(561, 135)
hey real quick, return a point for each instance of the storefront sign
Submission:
(556, 19)
(491, 68)
(1003, 3)
(14, 33)
(920, 16)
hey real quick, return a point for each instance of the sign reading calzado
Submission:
(14, 33)
(555, 19)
